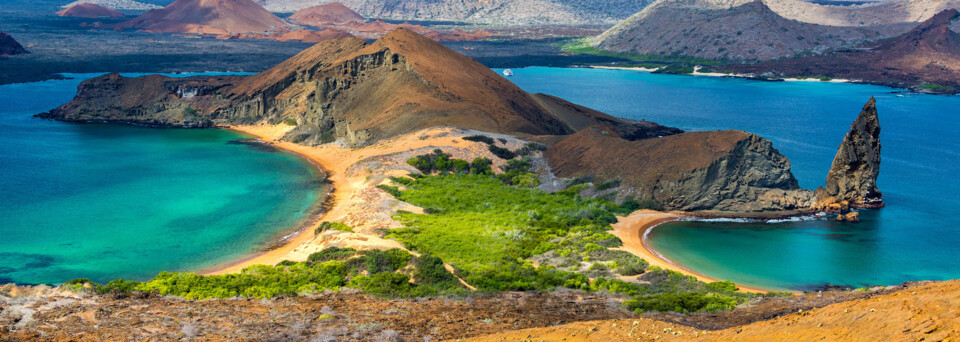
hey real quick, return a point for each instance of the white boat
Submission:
(507, 72)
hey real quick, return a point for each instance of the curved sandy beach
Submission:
(632, 230)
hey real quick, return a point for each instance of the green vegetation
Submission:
(675, 69)
(190, 111)
(440, 162)
(497, 233)
(480, 138)
(332, 225)
(582, 46)
(936, 88)
(381, 273)
(290, 121)
(502, 152)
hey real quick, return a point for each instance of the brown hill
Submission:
(9, 46)
(344, 89)
(727, 171)
(88, 10)
(208, 17)
(738, 29)
(930, 53)
(920, 313)
(333, 13)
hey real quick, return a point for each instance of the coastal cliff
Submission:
(853, 176)
(724, 171)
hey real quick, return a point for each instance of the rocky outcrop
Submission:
(9, 46)
(852, 180)
(88, 10)
(724, 171)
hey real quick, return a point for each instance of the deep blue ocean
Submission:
(916, 237)
(109, 201)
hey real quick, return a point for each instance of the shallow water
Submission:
(108, 201)
(917, 237)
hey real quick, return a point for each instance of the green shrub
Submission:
(481, 166)
(502, 153)
(118, 286)
(610, 184)
(430, 271)
(386, 261)
(332, 226)
(331, 253)
(480, 138)
(290, 121)
(723, 286)
(392, 190)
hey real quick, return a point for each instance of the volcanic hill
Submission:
(344, 89)
(10, 46)
(333, 13)
(88, 10)
(925, 58)
(207, 17)
(738, 29)
(502, 12)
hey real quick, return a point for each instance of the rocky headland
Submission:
(10, 46)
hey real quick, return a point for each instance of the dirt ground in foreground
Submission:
(349, 316)
(918, 312)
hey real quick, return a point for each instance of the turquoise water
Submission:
(917, 237)
(108, 201)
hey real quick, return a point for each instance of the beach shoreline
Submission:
(289, 240)
(696, 72)
(634, 229)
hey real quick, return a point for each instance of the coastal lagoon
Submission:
(916, 237)
(110, 201)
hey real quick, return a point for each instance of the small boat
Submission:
(507, 72)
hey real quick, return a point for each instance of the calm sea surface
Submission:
(917, 237)
(109, 201)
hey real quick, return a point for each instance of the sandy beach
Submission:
(696, 72)
(355, 200)
(632, 231)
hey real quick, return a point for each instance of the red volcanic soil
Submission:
(333, 13)
(9, 46)
(928, 53)
(207, 17)
(88, 10)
